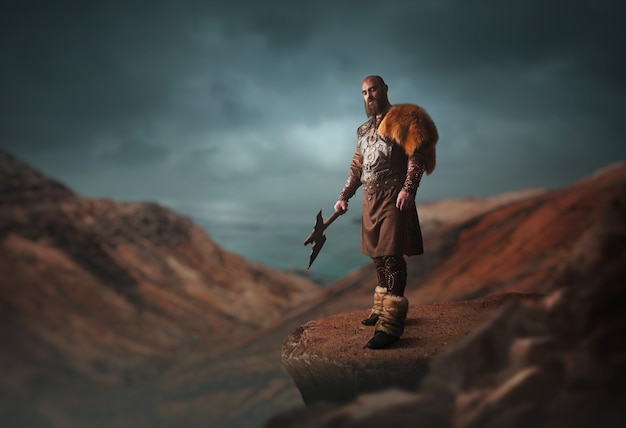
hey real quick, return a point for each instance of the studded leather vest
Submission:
(380, 164)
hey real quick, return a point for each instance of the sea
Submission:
(276, 238)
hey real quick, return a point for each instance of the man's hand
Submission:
(405, 200)
(341, 206)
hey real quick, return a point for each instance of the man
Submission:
(394, 148)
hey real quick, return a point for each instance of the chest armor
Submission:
(376, 154)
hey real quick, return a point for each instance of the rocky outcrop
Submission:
(559, 363)
(555, 362)
(328, 361)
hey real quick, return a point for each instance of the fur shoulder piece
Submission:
(411, 127)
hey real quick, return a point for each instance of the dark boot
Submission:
(382, 340)
(390, 325)
(379, 293)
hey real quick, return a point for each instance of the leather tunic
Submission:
(378, 163)
(384, 169)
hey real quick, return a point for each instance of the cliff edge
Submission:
(328, 361)
(553, 359)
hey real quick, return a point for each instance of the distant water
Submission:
(277, 239)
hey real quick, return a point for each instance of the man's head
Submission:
(374, 91)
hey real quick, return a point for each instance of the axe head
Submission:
(316, 237)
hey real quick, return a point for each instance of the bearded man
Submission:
(394, 148)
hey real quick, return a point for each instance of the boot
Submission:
(390, 325)
(379, 293)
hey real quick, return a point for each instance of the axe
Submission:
(317, 237)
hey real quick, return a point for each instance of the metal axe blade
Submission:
(317, 237)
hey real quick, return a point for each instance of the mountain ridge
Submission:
(127, 314)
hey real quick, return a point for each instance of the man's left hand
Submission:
(405, 200)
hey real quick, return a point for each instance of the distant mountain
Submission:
(103, 292)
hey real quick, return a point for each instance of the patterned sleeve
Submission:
(414, 172)
(354, 177)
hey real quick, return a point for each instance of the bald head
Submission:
(375, 79)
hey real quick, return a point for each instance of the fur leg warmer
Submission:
(390, 325)
(395, 309)
(377, 309)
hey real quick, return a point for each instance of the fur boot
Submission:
(377, 309)
(390, 325)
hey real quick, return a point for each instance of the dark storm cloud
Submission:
(466, 34)
(79, 69)
(246, 93)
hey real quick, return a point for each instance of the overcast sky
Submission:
(252, 105)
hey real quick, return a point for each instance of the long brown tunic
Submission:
(384, 169)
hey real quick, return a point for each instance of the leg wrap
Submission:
(395, 309)
(395, 271)
(381, 272)
(379, 292)
(381, 288)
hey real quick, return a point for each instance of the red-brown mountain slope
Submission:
(556, 360)
(454, 231)
(111, 291)
(515, 242)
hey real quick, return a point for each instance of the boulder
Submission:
(328, 361)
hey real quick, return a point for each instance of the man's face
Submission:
(374, 96)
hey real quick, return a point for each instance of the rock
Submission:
(523, 367)
(540, 382)
(328, 361)
(393, 407)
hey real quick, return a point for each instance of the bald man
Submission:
(394, 148)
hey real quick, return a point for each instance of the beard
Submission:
(371, 108)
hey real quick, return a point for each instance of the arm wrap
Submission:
(354, 177)
(414, 172)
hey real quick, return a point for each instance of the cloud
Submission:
(226, 100)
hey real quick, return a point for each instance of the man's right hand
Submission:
(341, 206)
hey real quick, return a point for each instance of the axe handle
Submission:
(332, 218)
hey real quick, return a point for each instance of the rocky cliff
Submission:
(551, 357)
(556, 362)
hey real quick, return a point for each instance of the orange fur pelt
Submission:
(411, 127)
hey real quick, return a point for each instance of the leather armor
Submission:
(379, 164)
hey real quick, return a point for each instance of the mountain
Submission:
(532, 242)
(97, 295)
(127, 314)
(515, 242)
(542, 360)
